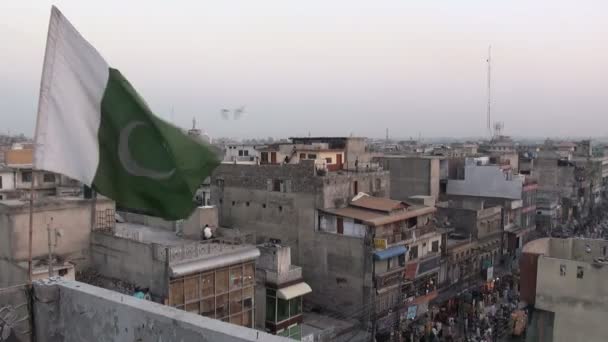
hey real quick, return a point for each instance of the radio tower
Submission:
(489, 60)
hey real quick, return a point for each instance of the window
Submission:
(603, 248)
(282, 309)
(340, 225)
(26, 176)
(277, 185)
(236, 301)
(221, 303)
(264, 157)
(579, 272)
(328, 160)
(295, 306)
(264, 205)
(414, 252)
(246, 153)
(240, 153)
(435, 246)
(302, 155)
(207, 285)
(248, 274)
(562, 270)
(312, 156)
(247, 203)
(236, 277)
(378, 184)
(355, 187)
(0, 182)
(221, 281)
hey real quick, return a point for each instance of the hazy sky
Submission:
(332, 67)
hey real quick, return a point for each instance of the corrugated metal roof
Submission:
(378, 203)
(375, 218)
(222, 260)
(293, 291)
(390, 252)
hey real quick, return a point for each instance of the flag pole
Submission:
(40, 99)
(31, 229)
(93, 207)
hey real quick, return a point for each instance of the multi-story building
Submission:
(403, 262)
(213, 278)
(67, 220)
(563, 280)
(415, 175)
(242, 153)
(496, 184)
(282, 202)
(279, 292)
(17, 175)
(575, 183)
(479, 222)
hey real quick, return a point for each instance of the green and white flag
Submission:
(93, 126)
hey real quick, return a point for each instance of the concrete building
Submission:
(242, 153)
(69, 311)
(282, 203)
(17, 175)
(576, 184)
(279, 292)
(214, 278)
(563, 280)
(498, 185)
(414, 175)
(480, 221)
(356, 153)
(403, 264)
(68, 218)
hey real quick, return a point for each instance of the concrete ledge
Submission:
(73, 311)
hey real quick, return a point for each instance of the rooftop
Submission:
(47, 202)
(378, 203)
(376, 218)
(188, 255)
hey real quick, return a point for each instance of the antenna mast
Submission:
(489, 60)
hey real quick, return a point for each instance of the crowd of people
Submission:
(486, 314)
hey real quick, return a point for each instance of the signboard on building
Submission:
(411, 312)
(410, 270)
(380, 243)
(490, 273)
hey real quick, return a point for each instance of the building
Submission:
(498, 185)
(282, 203)
(478, 221)
(214, 278)
(576, 184)
(563, 281)
(242, 153)
(403, 263)
(279, 292)
(414, 175)
(67, 220)
(17, 175)
(70, 311)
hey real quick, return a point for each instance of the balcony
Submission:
(294, 273)
(415, 233)
(389, 278)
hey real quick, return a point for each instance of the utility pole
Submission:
(49, 236)
(489, 60)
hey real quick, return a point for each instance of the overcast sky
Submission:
(333, 67)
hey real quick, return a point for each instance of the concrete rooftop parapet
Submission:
(71, 311)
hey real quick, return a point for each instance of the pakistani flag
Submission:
(94, 127)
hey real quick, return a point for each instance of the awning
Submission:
(390, 252)
(294, 291)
